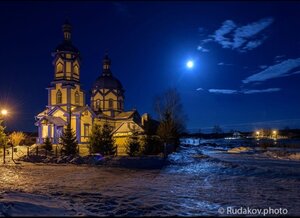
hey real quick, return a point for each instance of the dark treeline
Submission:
(290, 133)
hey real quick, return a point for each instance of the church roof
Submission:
(54, 120)
(107, 82)
(78, 110)
(67, 46)
(81, 109)
(43, 113)
(125, 114)
(128, 126)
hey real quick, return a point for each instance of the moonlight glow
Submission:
(190, 64)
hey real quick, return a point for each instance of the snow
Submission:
(197, 181)
(283, 155)
(16, 204)
(239, 149)
(295, 156)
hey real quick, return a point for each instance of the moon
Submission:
(190, 64)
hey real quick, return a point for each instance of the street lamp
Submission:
(275, 134)
(257, 134)
(4, 112)
(2, 115)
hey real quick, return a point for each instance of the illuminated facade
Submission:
(66, 101)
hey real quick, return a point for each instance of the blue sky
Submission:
(246, 56)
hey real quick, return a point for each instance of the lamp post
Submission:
(257, 134)
(275, 134)
(2, 115)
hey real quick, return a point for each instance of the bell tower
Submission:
(66, 58)
(65, 90)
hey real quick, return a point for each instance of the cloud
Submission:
(278, 58)
(240, 38)
(253, 44)
(263, 66)
(200, 48)
(199, 89)
(246, 91)
(254, 91)
(223, 91)
(249, 32)
(223, 64)
(282, 69)
(225, 29)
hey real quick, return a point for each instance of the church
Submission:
(67, 101)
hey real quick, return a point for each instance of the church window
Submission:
(86, 130)
(110, 103)
(59, 68)
(76, 97)
(58, 97)
(76, 70)
(98, 104)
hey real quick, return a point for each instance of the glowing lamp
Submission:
(4, 112)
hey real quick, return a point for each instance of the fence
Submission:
(10, 154)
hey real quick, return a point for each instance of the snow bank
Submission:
(239, 150)
(295, 156)
(73, 159)
(283, 155)
(145, 162)
(24, 204)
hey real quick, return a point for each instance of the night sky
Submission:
(246, 57)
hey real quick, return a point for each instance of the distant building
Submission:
(237, 134)
(67, 101)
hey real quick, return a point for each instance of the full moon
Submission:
(190, 64)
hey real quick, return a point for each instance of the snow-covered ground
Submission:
(198, 181)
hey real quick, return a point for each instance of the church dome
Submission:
(107, 82)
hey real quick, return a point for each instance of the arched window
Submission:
(76, 97)
(110, 103)
(97, 104)
(76, 70)
(58, 97)
(59, 68)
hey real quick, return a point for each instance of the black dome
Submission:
(107, 82)
(67, 46)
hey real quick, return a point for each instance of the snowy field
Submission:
(198, 181)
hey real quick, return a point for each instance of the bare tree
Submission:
(169, 109)
(217, 129)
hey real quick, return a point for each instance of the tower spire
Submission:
(106, 64)
(67, 29)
